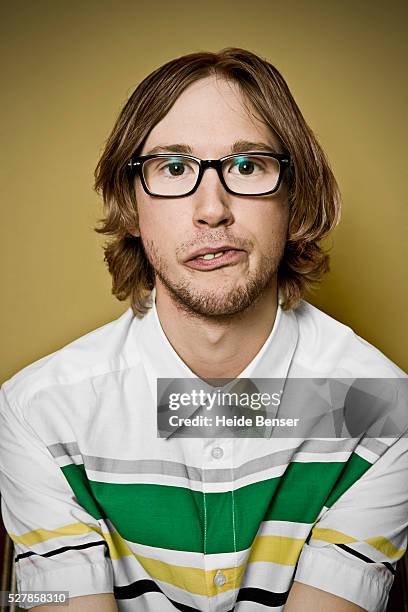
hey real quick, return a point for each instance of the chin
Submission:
(218, 300)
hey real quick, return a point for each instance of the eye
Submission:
(175, 168)
(245, 166)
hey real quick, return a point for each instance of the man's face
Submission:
(210, 117)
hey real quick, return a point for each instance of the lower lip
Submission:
(228, 258)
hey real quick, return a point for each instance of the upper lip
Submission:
(212, 249)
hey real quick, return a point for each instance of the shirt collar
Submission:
(160, 360)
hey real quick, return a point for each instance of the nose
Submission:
(212, 203)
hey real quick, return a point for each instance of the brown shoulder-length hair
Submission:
(314, 198)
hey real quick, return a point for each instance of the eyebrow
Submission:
(240, 146)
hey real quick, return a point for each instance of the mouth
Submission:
(211, 258)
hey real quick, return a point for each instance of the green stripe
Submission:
(173, 517)
(79, 483)
(306, 487)
(353, 470)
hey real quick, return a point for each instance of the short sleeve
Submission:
(58, 544)
(355, 545)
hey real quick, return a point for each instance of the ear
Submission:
(131, 226)
(135, 232)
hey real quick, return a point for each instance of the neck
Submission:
(217, 347)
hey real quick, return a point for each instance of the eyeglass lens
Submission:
(176, 175)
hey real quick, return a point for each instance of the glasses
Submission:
(171, 175)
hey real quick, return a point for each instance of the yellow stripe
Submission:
(381, 544)
(190, 579)
(276, 549)
(41, 535)
(332, 536)
(117, 545)
(386, 547)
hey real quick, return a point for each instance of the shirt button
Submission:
(217, 452)
(219, 579)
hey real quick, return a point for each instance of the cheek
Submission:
(159, 223)
(270, 228)
(149, 216)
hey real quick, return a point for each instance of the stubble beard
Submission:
(220, 302)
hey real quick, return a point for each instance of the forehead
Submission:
(209, 116)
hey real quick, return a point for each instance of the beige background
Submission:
(68, 66)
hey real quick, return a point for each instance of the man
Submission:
(216, 257)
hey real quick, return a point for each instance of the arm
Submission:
(59, 545)
(305, 598)
(355, 545)
(104, 602)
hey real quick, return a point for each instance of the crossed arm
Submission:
(302, 598)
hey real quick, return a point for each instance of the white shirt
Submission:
(95, 502)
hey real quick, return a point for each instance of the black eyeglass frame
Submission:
(136, 164)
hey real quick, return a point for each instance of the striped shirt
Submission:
(95, 502)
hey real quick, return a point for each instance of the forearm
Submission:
(305, 598)
(103, 602)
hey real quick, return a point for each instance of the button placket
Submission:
(217, 457)
(234, 527)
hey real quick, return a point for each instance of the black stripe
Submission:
(58, 551)
(364, 558)
(140, 587)
(261, 596)
(135, 589)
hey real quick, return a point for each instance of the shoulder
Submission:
(98, 352)
(330, 348)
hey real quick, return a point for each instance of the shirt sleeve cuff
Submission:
(86, 579)
(365, 584)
